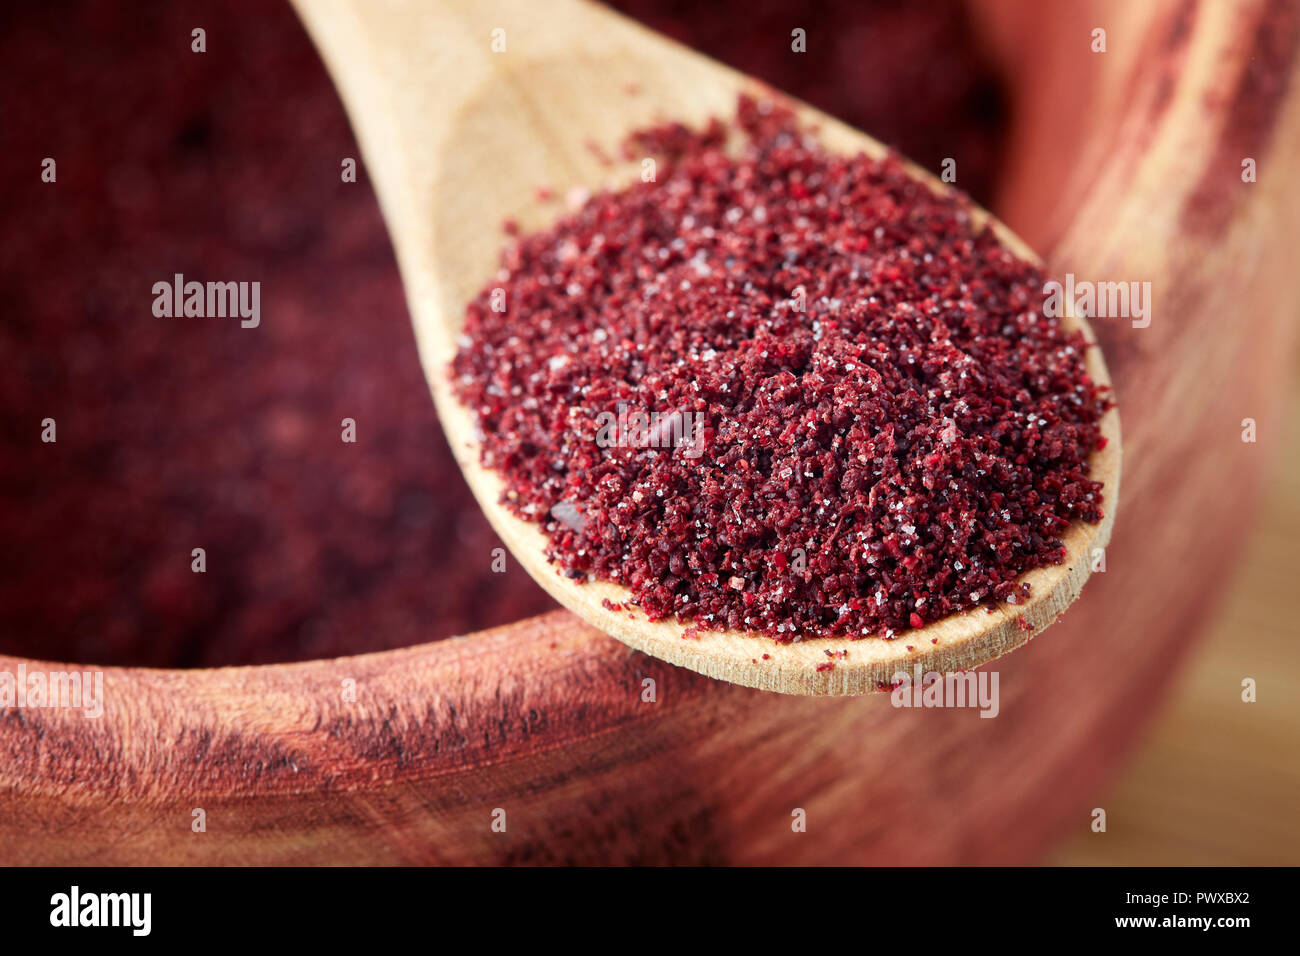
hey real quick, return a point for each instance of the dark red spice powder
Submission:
(902, 447)
(862, 59)
(175, 434)
(182, 433)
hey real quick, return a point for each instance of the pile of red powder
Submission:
(889, 428)
(175, 434)
(184, 433)
(911, 74)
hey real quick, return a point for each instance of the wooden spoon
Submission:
(463, 109)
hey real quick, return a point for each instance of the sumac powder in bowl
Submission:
(781, 390)
(175, 433)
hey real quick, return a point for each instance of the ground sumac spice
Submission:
(174, 434)
(911, 73)
(885, 426)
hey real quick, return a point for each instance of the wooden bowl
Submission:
(548, 727)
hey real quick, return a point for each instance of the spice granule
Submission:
(887, 428)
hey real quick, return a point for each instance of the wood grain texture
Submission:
(1215, 781)
(545, 719)
(459, 144)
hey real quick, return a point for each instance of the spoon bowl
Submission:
(463, 111)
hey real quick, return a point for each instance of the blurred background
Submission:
(178, 433)
(1215, 783)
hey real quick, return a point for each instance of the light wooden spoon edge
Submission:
(422, 122)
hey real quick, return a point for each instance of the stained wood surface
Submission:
(545, 719)
(1216, 780)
